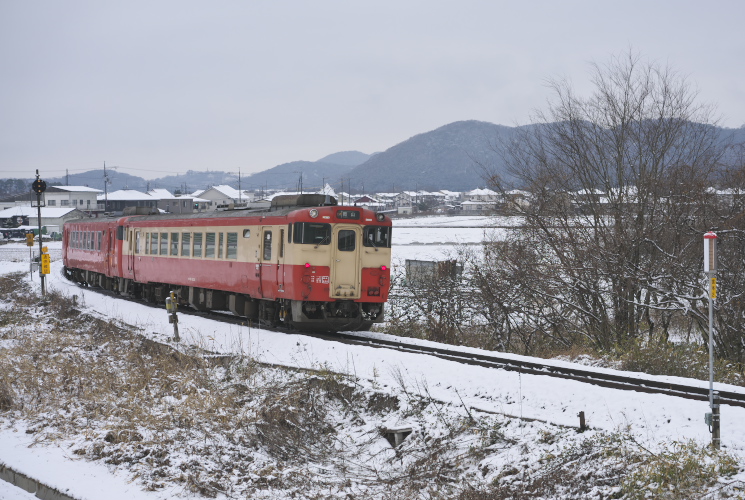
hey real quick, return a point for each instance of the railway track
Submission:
(638, 382)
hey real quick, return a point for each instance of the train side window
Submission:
(154, 244)
(147, 243)
(289, 232)
(232, 245)
(100, 239)
(185, 244)
(198, 245)
(174, 243)
(267, 245)
(74, 237)
(220, 254)
(209, 245)
(281, 242)
(163, 244)
(246, 233)
(138, 243)
(347, 239)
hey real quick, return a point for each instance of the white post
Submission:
(710, 269)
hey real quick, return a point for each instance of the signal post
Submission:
(38, 187)
(710, 270)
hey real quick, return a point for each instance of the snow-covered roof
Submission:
(78, 189)
(161, 194)
(164, 194)
(127, 195)
(481, 192)
(26, 211)
(228, 191)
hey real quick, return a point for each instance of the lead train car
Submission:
(305, 262)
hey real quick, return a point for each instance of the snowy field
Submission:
(651, 419)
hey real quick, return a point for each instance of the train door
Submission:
(131, 251)
(110, 251)
(345, 280)
(268, 253)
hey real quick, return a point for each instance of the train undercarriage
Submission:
(339, 315)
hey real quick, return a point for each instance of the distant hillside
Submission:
(449, 157)
(193, 180)
(445, 158)
(287, 176)
(349, 158)
(95, 179)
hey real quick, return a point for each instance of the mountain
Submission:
(288, 176)
(95, 179)
(348, 158)
(450, 157)
(193, 180)
(445, 158)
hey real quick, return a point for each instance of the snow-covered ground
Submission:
(651, 419)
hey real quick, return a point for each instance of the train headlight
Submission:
(307, 265)
(383, 268)
(313, 213)
(380, 217)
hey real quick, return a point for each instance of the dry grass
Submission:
(240, 428)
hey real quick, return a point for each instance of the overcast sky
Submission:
(160, 87)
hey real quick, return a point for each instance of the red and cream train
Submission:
(305, 262)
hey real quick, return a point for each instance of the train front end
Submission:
(340, 259)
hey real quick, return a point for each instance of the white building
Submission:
(223, 196)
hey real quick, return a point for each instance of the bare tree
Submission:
(617, 182)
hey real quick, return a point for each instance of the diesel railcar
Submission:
(306, 262)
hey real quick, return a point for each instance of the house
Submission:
(481, 195)
(172, 204)
(29, 216)
(479, 206)
(117, 201)
(79, 197)
(223, 196)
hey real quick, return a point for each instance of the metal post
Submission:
(43, 282)
(716, 440)
(710, 270)
(38, 187)
(172, 308)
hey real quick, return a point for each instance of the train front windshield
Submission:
(312, 233)
(377, 236)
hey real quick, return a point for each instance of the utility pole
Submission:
(105, 189)
(239, 185)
